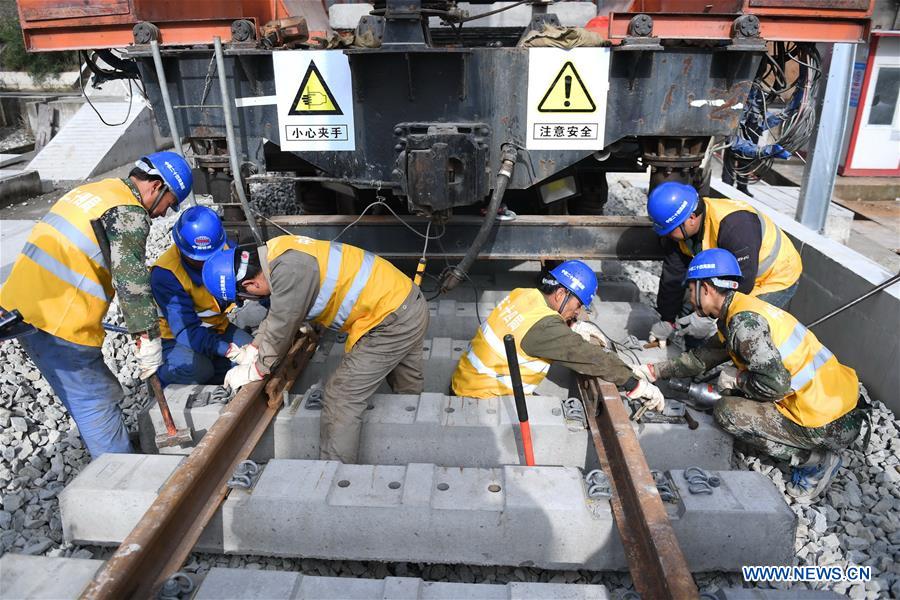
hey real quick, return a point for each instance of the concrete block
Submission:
(85, 147)
(451, 431)
(44, 577)
(18, 186)
(440, 355)
(400, 429)
(512, 515)
(276, 585)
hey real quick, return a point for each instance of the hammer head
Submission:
(181, 436)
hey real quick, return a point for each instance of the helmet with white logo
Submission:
(219, 277)
(172, 168)
(578, 278)
(670, 204)
(198, 233)
(713, 264)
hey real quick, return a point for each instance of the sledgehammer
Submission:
(509, 342)
(172, 436)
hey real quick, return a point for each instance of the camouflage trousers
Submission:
(759, 426)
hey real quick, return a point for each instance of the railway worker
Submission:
(539, 320)
(199, 342)
(787, 395)
(87, 249)
(341, 287)
(770, 265)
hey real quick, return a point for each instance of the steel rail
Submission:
(655, 560)
(167, 533)
(527, 237)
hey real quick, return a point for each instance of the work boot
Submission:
(812, 478)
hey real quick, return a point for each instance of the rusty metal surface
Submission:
(528, 237)
(656, 562)
(168, 531)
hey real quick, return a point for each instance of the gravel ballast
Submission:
(856, 522)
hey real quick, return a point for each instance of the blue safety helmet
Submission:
(670, 204)
(172, 168)
(219, 276)
(713, 264)
(198, 233)
(578, 278)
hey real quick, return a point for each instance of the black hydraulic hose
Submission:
(460, 272)
(887, 283)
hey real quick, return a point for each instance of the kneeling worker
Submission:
(539, 321)
(199, 342)
(342, 287)
(789, 397)
(770, 265)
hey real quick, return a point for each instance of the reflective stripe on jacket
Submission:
(61, 282)
(205, 304)
(357, 289)
(822, 389)
(779, 263)
(483, 372)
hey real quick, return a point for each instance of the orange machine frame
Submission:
(76, 25)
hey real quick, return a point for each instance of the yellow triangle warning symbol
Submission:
(314, 97)
(567, 93)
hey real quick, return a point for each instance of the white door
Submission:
(878, 137)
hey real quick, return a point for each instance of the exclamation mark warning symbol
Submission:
(567, 93)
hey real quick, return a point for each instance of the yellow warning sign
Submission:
(314, 97)
(567, 93)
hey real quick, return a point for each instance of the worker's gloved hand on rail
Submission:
(661, 332)
(695, 326)
(728, 379)
(149, 353)
(589, 333)
(241, 375)
(645, 372)
(648, 394)
(242, 355)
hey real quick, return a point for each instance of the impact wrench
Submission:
(509, 342)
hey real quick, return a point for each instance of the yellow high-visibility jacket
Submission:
(822, 389)
(205, 304)
(61, 282)
(779, 262)
(357, 289)
(483, 371)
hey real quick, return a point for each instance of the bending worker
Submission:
(539, 321)
(342, 287)
(770, 265)
(788, 396)
(198, 339)
(89, 248)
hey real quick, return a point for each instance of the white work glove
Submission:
(590, 333)
(661, 332)
(728, 379)
(695, 326)
(241, 375)
(645, 372)
(242, 355)
(149, 353)
(649, 395)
